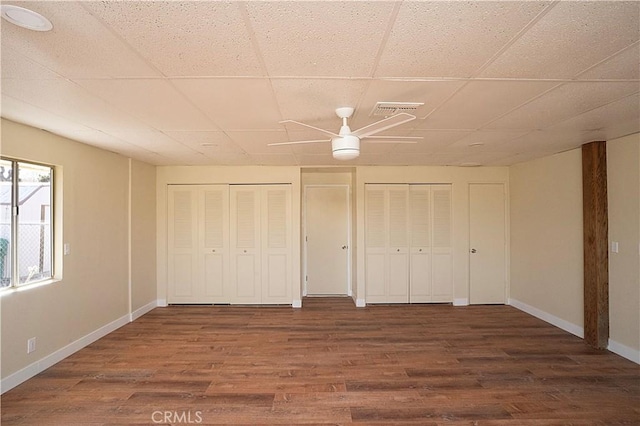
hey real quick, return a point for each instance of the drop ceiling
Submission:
(207, 83)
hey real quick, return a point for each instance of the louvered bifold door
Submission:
(182, 267)
(398, 244)
(246, 273)
(420, 238)
(387, 243)
(442, 251)
(376, 243)
(276, 244)
(213, 224)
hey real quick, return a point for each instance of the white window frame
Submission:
(14, 245)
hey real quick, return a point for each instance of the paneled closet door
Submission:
(276, 243)
(213, 233)
(420, 238)
(182, 268)
(442, 244)
(245, 256)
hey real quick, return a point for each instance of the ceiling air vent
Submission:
(391, 108)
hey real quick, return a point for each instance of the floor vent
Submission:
(391, 108)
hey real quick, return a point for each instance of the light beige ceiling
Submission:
(196, 83)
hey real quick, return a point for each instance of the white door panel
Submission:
(327, 239)
(487, 239)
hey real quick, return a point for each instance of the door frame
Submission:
(347, 189)
(507, 238)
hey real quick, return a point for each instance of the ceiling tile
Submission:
(430, 93)
(78, 105)
(78, 46)
(484, 140)
(313, 101)
(153, 101)
(319, 38)
(255, 142)
(184, 38)
(624, 65)
(625, 110)
(234, 104)
(210, 143)
(274, 159)
(563, 102)
(19, 67)
(572, 37)
(451, 39)
(482, 101)
(149, 139)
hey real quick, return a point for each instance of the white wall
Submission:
(623, 175)
(546, 238)
(90, 295)
(186, 175)
(459, 178)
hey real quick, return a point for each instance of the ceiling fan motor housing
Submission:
(346, 147)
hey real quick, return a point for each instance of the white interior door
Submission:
(487, 243)
(327, 240)
(276, 243)
(182, 268)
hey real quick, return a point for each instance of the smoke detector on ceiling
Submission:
(391, 108)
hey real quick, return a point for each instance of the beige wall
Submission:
(459, 178)
(546, 236)
(623, 170)
(92, 216)
(143, 234)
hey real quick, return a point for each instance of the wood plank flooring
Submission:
(332, 363)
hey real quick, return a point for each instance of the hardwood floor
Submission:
(330, 362)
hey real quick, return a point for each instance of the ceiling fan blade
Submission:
(326, 132)
(390, 141)
(299, 142)
(383, 125)
(417, 138)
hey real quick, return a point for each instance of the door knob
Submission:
(473, 250)
(344, 247)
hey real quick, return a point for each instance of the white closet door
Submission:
(387, 243)
(398, 244)
(213, 235)
(182, 265)
(442, 253)
(276, 244)
(420, 238)
(246, 272)
(376, 243)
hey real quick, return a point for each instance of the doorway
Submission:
(487, 244)
(327, 240)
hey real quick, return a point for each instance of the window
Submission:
(26, 196)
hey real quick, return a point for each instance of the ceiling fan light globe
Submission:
(345, 148)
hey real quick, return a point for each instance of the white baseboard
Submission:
(39, 366)
(361, 303)
(551, 319)
(296, 304)
(461, 302)
(624, 351)
(143, 310)
(162, 303)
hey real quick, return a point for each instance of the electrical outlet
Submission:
(67, 249)
(31, 345)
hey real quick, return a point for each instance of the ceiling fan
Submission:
(346, 143)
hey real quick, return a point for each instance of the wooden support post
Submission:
(596, 244)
